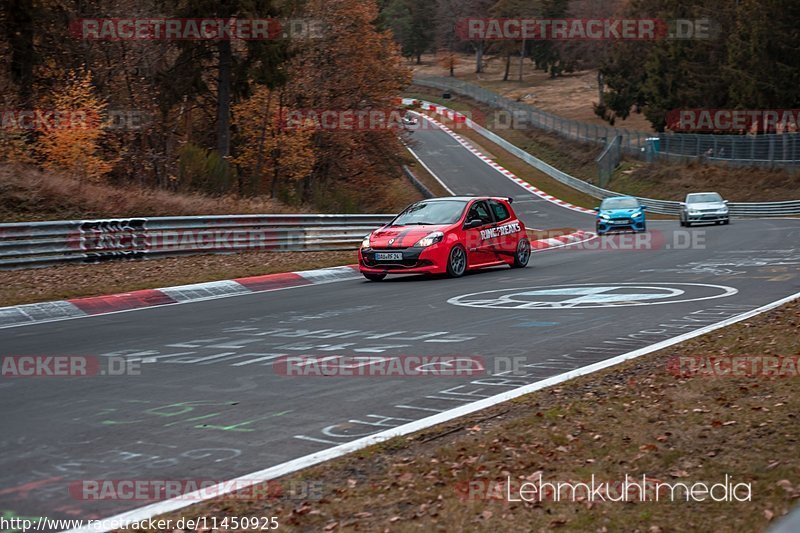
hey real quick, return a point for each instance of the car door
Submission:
(509, 228)
(479, 240)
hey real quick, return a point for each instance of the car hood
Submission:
(401, 236)
(700, 206)
(619, 213)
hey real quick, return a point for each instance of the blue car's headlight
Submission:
(638, 214)
(604, 217)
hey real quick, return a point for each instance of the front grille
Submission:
(410, 258)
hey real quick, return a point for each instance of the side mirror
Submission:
(643, 207)
(725, 202)
(474, 223)
(597, 209)
(683, 204)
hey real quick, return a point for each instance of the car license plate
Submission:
(388, 257)
(619, 221)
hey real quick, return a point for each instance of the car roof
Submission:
(698, 193)
(466, 198)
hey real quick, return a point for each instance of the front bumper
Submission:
(620, 224)
(708, 217)
(415, 261)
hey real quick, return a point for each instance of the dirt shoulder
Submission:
(637, 418)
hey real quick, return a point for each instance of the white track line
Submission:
(431, 172)
(260, 476)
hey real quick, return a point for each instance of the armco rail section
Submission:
(30, 244)
(665, 207)
(764, 150)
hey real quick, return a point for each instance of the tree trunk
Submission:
(479, 58)
(224, 98)
(601, 89)
(262, 137)
(19, 32)
(276, 159)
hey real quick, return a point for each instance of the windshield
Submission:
(620, 203)
(424, 213)
(711, 197)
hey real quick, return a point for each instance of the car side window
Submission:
(499, 210)
(481, 211)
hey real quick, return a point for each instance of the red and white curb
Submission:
(27, 314)
(21, 315)
(458, 118)
(562, 240)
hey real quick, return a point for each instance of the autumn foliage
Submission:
(211, 104)
(270, 153)
(71, 144)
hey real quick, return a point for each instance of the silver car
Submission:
(704, 207)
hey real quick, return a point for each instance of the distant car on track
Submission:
(410, 120)
(620, 213)
(446, 236)
(704, 207)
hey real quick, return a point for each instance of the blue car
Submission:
(620, 213)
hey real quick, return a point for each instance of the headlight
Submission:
(365, 242)
(694, 213)
(430, 239)
(605, 217)
(638, 214)
(723, 211)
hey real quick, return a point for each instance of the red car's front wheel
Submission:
(457, 261)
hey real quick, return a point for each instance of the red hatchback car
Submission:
(446, 236)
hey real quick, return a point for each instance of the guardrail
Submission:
(664, 207)
(32, 244)
(779, 150)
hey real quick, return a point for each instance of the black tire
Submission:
(523, 254)
(374, 277)
(726, 222)
(457, 261)
(683, 224)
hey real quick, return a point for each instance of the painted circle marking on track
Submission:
(592, 295)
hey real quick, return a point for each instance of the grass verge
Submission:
(636, 418)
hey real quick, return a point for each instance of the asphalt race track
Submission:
(209, 405)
